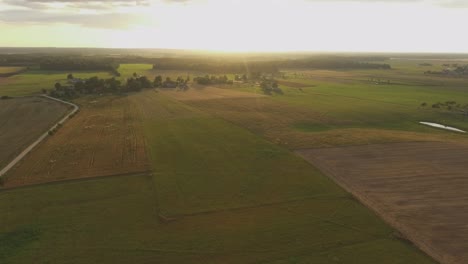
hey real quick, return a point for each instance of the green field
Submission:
(33, 81)
(357, 106)
(225, 186)
(127, 70)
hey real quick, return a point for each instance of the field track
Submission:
(77, 180)
(103, 139)
(419, 188)
(41, 138)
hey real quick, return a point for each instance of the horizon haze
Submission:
(238, 26)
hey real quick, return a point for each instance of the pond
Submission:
(442, 127)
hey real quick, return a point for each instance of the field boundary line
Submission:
(42, 137)
(261, 205)
(364, 145)
(75, 180)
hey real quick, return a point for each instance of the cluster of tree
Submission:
(213, 65)
(257, 76)
(19, 59)
(454, 65)
(137, 84)
(456, 71)
(331, 63)
(80, 64)
(208, 80)
(93, 85)
(241, 78)
(450, 106)
(270, 87)
(96, 85)
(180, 82)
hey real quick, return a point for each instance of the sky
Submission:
(239, 25)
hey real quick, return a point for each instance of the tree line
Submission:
(80, 64)
(450, 106)
(209, 80)
(212, 65)
(95, 85)
(332, 64)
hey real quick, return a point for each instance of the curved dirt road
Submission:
(41, 138)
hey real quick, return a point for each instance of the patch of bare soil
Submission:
(419, 188)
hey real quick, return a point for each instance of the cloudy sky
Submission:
(239, 25)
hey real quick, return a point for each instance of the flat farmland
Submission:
(229, 196)
(104, 138)
(217, 193)
(420, 188)
(22, 121)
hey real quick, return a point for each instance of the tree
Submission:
(58, 86)
(70, 76)
(135, 74)
(112, 85)
(144, 82)
(158, 81)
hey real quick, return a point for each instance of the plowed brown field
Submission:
(420, 188)
(104, 138)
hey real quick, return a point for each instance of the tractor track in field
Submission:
(77, 180)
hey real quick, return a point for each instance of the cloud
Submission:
(102, 13)
(441, 3)
(123, 14)
(93, 4)
(454, 4)
(105, 20)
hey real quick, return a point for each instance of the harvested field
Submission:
(420, 188)
(3, 80)
(103, 139)
(205, 93)
(22, 121)
(10, 69)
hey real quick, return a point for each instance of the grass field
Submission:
(22, 121)
(33, 81)
(114, 220)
